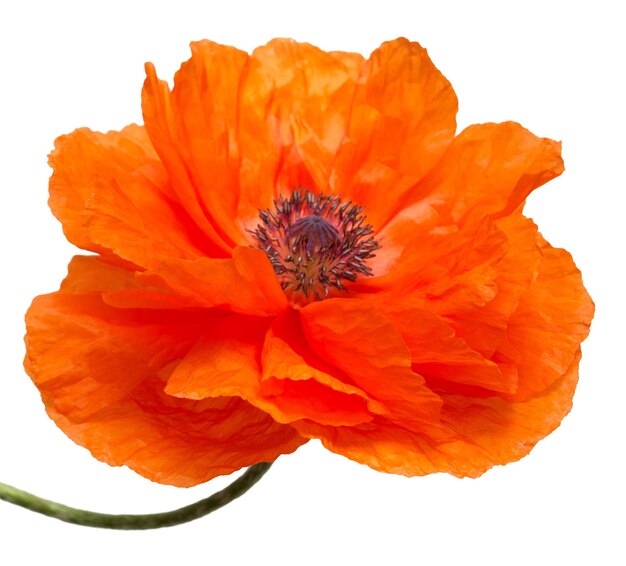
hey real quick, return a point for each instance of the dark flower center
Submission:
(315, 242)
(315, 233)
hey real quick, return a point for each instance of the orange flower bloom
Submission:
(297, 246)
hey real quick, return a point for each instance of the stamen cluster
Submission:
(315, 242)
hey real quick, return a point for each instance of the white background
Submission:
(557, 68)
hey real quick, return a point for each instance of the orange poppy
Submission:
(296, 245)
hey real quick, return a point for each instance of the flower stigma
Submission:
(314, 243)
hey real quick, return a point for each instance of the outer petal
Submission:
(524, 310)
(194, 129)
(475, 277)
(118, 286)
(112, 196)
(489, 169)
(477, 434)
(552, 319)
(101, 372)
(536, 321)
(485, 174)
(206, 99)
(485, 328)
(161, 125)
(403, 117)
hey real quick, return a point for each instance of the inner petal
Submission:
(302, 386)
(309, 399)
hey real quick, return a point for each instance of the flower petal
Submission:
(118, 286)
(302, 386)
(229, 353)
(360, 342)
(294, 108)
(438, 354)
(112, 196)
(287, 386)
(485, 328)
(489, 169)
(552, 319)
(160, 123)
(447, 270)
(402, 119)
(245, 284)
(477, 434)
(194, 129)
(101, 372)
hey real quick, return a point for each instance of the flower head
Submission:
(296, 246)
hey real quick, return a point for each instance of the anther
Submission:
(314, 243)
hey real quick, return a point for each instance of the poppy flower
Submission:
(296, 245)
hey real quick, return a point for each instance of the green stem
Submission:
(136, 522)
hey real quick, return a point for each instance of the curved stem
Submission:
(136, 522)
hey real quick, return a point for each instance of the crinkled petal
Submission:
(360, 342)
(230, 354)
(552, 319)
(246, 359)
(485, 328)
(476, 435)
(303, 386)
(402, 119)
(294, 108)
(101, 372)
(161, 122)
(438, 354)
(246, 283)
(448, 270)
(113, 197)
(117, 285)
(195, 130)
(485, 175)
(489, 170)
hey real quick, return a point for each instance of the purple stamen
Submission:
(315, 242)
